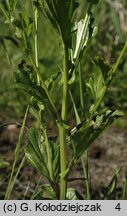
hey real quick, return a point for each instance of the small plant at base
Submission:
(75, 37)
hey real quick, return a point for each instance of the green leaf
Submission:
(11, 5)
(85, 134)
(72, 78)
(23, 26)
(55, 159)
(84, 32)
(45, 192)
(26, 80)
(72, 194)
(103, 66)
(37, 154)
(27, 24)
(37, 109)
(112, 185)
(61, 15)
(96, 86)
(78, 121)
(52, 80)
(82, 36)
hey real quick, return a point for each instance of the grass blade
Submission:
(17, 151)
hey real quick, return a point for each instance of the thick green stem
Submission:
(62, 130)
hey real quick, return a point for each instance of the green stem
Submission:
(81, 88)
(62, 130)
(35, 62)
(84, 160)
(119, 59)
(13, 181)
(36, 38)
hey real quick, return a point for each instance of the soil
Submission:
(106, 155)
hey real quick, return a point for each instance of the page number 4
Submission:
(118, 207)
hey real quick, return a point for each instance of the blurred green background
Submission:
(111, 19)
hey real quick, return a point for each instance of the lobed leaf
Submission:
(61, 15)
(37, 154)
(96, 86)
(52, 79)
(86, 133)
(26, 79)
(104, 67)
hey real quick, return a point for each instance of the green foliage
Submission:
(61, 15)
(11, 5)
(84, 134)
(26, 79)
(83, 35)
(75, 36)
(24, 24)
(96, 86)
(45, 192)
(104, 67)
(112, 185)
(14, 173)
(38, 153)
